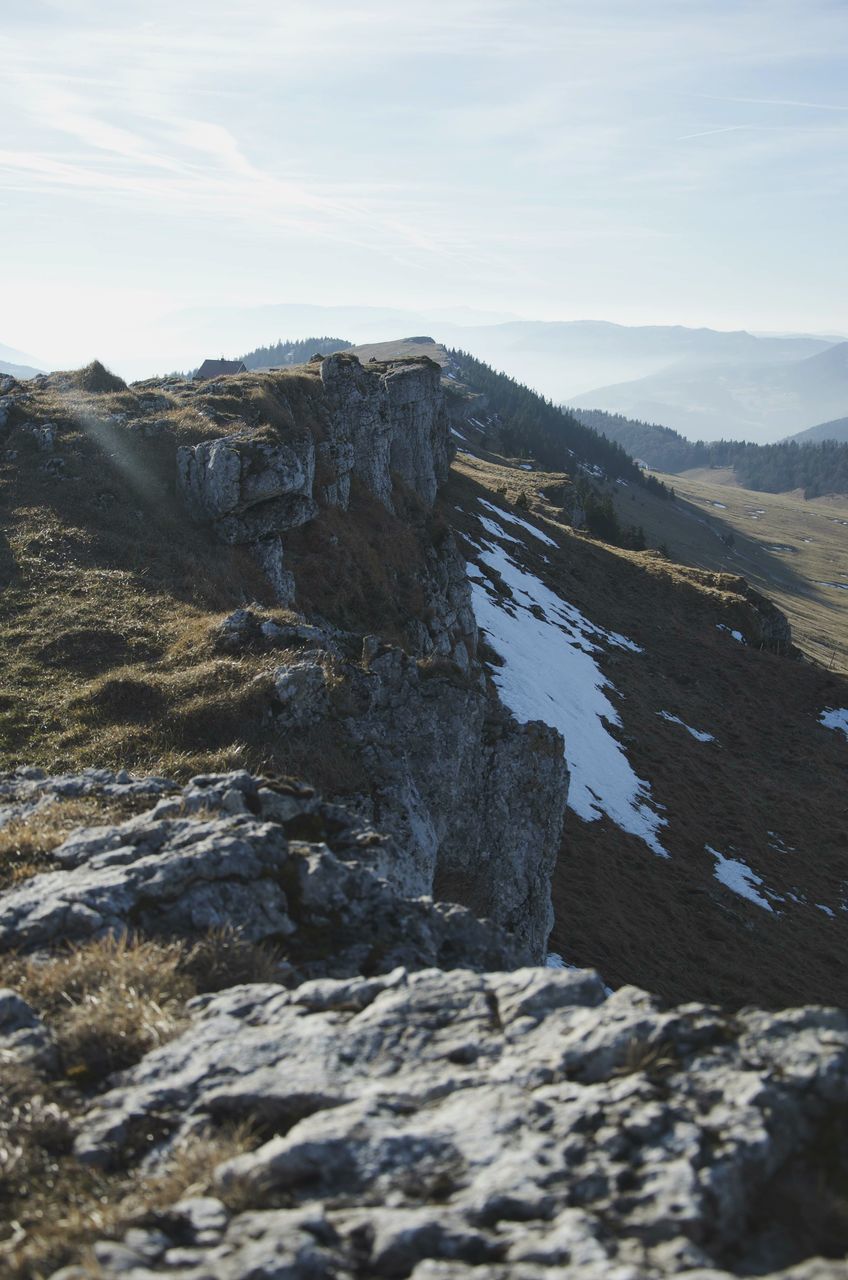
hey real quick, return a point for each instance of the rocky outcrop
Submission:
(769, 626)
(743, 609)
(385, 426)
(447, 625)
(502, 1125)
(27, 789)
(475, 801)
(248, 488)
(420, 1104)
(274, 864)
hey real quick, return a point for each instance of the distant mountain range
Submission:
(760, 402)
(17, 363)
(704, 382)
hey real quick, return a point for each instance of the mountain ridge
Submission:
(304, 678)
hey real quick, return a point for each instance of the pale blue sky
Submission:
(646, 161)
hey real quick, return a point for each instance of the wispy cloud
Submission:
(539, 149)
(709, 133)
(782, 102)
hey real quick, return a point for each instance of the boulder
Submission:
(24, 1038)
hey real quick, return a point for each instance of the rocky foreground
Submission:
(421, 1101)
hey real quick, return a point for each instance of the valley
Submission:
(793, 549)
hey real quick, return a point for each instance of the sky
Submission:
(667, 161)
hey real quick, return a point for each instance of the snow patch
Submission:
(825, 909)
(553, 960)
(525, 466)
(779, 845)
(723, 505)
(550, 674)
(737, 635)
(835, 718)
(696, 733)
(737, 876)
(516, 520)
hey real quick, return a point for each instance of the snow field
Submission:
(550, 673)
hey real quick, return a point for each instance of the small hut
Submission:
(215, 368)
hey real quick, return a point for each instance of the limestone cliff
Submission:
(386, 426)
(475, 800)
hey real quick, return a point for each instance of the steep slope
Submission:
(319, 488)
(755, 402)
(704, 842)
(237, 1035)
(788, 547)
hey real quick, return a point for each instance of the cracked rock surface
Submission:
(275, 865)
(519, 1124)
(421, 1103)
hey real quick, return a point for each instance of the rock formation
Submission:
(422, 1105)
(385, 426)
(450, 1125)
(476, 802)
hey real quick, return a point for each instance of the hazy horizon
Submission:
(671, 164)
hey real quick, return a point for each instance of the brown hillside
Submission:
(769, 791)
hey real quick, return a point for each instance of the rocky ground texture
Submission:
(422, 1102)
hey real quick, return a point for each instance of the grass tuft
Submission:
(96, 378)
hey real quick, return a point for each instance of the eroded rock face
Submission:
(503, 1124)
(420, 453)
(275, 865)
(249, 488)
(770, 628)
(383, 426)
(360, 430)
(475, 801)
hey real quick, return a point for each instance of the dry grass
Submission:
(26, 843)
(111, 594)
(65, 1207)
(107, 1003)
(362, 569)
(110, 1001)
(96, 378)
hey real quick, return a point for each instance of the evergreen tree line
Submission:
(817, 468)
(288, 351)
(534, 427)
